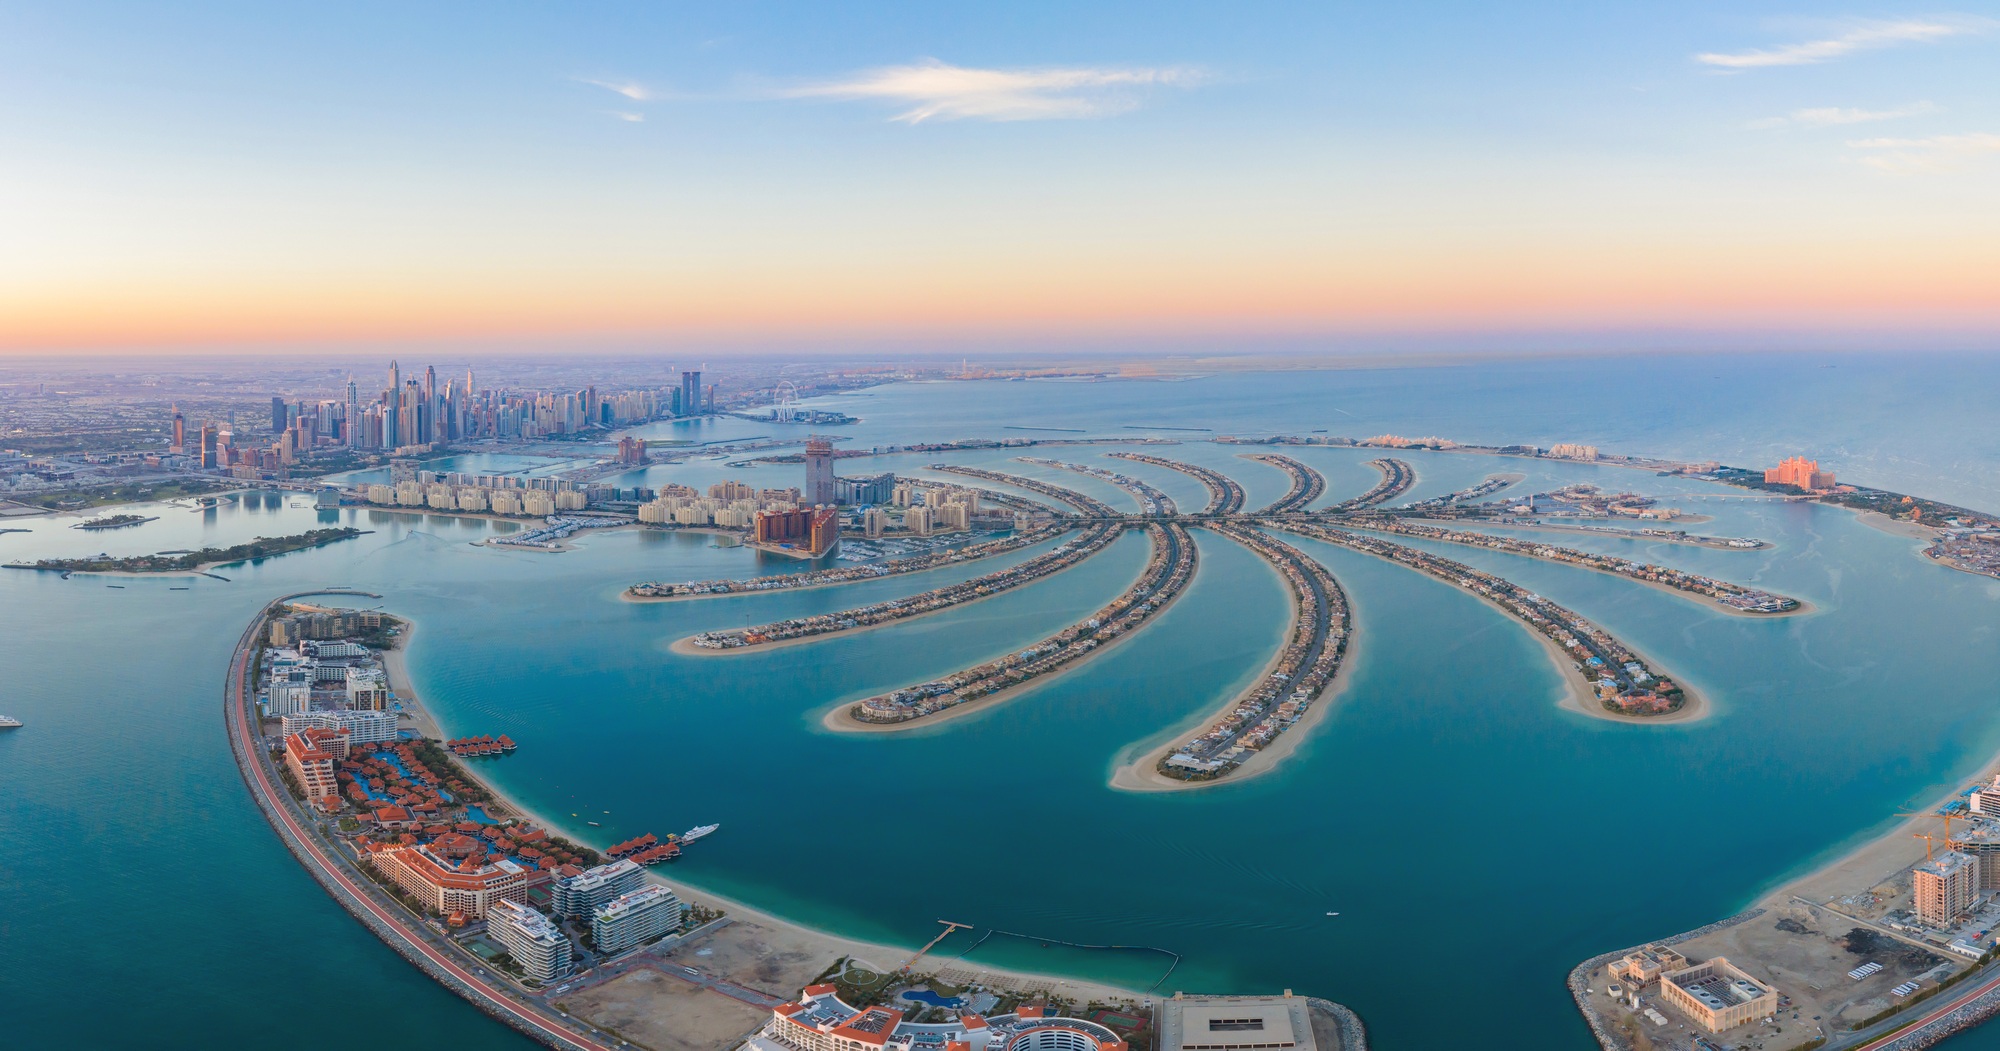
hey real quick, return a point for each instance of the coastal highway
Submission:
(1937, 1022)
(1225, 497)
(1307, 484)
(276, 803)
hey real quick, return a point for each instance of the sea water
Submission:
(1476, 840)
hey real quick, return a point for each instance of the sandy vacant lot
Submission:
(666, 1014)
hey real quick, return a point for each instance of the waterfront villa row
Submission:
(1397, 478)
(1034, 533)
(1094, 539)
(1087, 505)
(1168, 570)
(1621, 681)
(1304, 668)
(1307, 484)
(1734, 596)
(1152, 502)
(1225, 496)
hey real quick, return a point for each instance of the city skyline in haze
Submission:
(224, 178)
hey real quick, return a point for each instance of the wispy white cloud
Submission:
(1930, 156)
(1832, 116)
(1862, 36)
(934, 90)
(631, 89)
(627, 115)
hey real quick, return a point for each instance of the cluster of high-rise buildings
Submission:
(622, 909)
(324, 682)
(415, 412)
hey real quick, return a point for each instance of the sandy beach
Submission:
(1880, 522)
(837, 719)
(772, 933)
(1143, 775)
(1703, 601)
(1575, 697)
(627, 596)
(686, 647)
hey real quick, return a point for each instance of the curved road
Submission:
(276, 804)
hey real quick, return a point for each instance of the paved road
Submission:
(487, 995)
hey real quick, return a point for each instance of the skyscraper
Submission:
(392, 416)
(819, 472)
(180, 431)
(352, 415)
(428, 429)
(691, 393)
(279, 420)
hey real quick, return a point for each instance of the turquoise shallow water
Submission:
(1445, 805)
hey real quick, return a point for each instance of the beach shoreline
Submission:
(1694, 707)
(838, 720)
(792, 933)
(1143, 775)
(686, 647)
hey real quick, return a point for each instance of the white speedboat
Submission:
(8, 722)
(697, 832)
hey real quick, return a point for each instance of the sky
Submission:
(258, 177)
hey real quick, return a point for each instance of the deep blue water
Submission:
(1445, 807)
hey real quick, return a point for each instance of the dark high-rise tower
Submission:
(180, 431)
(278, 418)
(429, 426)
(691, 394)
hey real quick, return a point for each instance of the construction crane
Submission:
(949, 927)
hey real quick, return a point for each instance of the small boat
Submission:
(1333, 914)
(8, 722)
(176, 589)
(594, 824)
(697, 832)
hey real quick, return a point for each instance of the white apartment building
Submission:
(534, 943)
(635, 918)
(579, 896)
(363, 727)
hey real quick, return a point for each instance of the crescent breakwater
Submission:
(1307, 484)
(1620, 679)
(1281, 699)
(1731, 598)
(1095, 538)
(1168, 571)
(1225, 496)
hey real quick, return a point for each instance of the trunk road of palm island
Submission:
(302, 834)
(1623, 684)
(1238, 740)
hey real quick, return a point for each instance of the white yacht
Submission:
(697, 832)
(8, 722)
